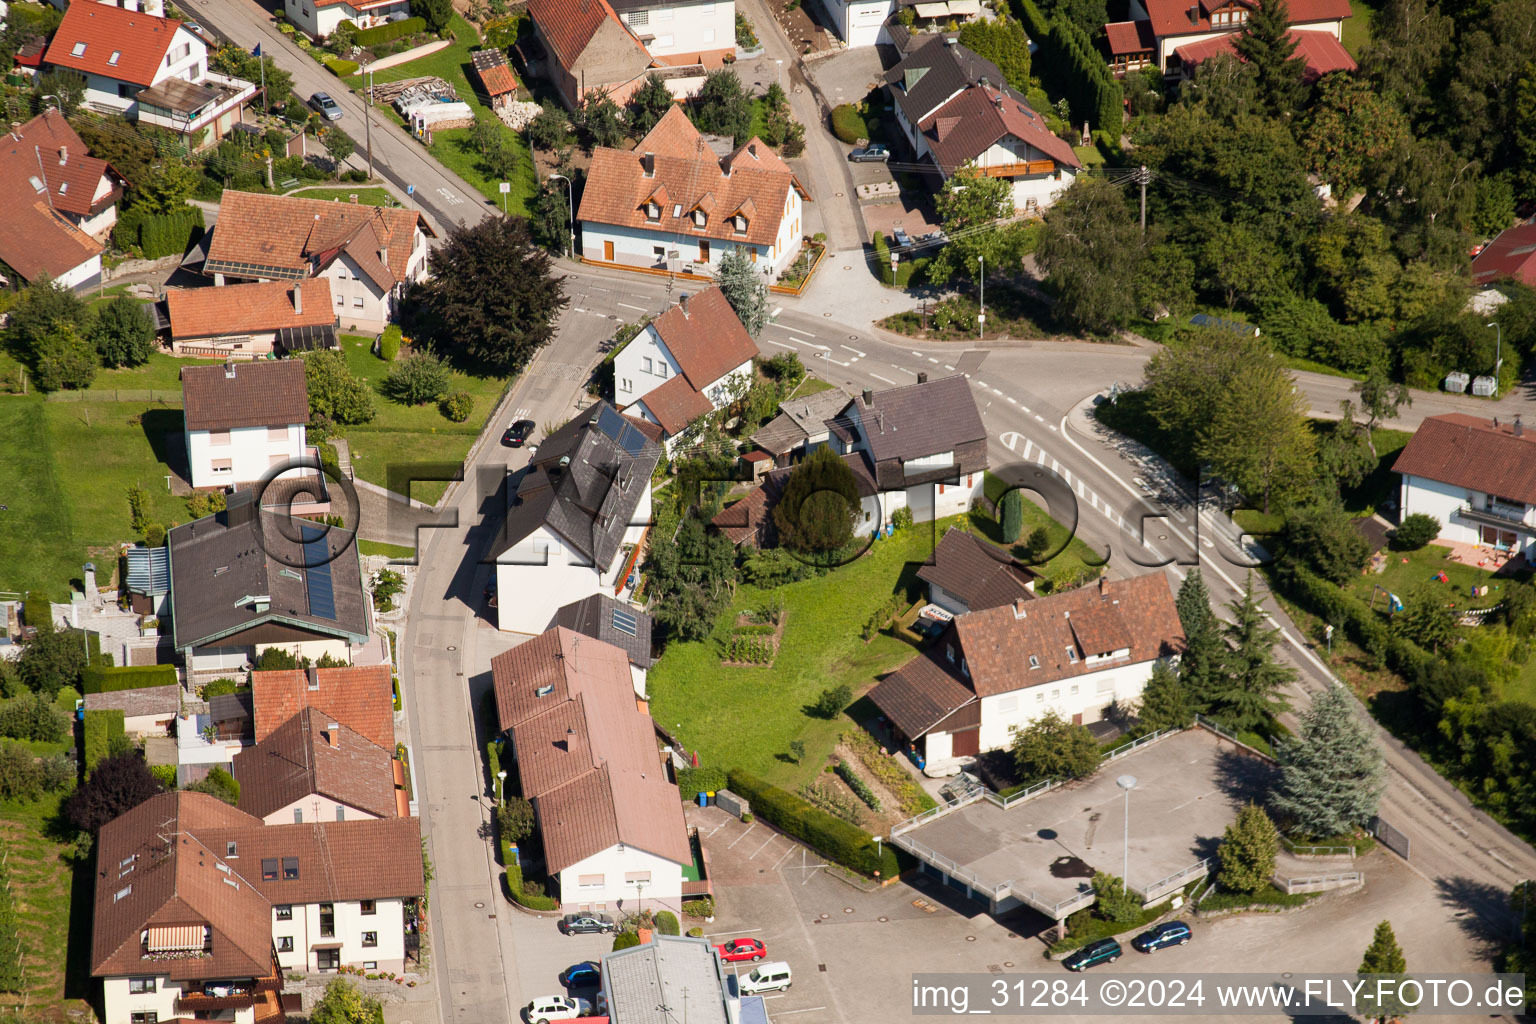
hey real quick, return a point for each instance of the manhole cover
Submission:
(970, 938)
(825, 916)
(839, 195)
(883, 919)
(822, 968)
(1008, 963)
(847, 910)
(853, 337)
(479, 906)
(453, 648)
(995, 968)
(828, 315)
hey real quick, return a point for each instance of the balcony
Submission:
(1018, 168)
(1498, 514)
(193, 1002)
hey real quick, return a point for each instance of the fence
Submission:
(1315, 851)
(934, 813)
(114, 395)
(805, 282)
(1390, 837)
(1319, 883)
(1206, 723)
(1150, 737)
(1164, 886)
(996, 892)
(1008, 801)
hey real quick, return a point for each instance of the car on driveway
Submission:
(327, 107)
(583, 975)
(736, 950)
(547, 1008)
(774, 977)
(517, 433)
(1169, 933)
(875, 154)
(902, 238)
(1102, 951)
(580, 924)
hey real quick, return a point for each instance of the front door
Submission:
(1077, 719)
(703, 251)
(608, 251)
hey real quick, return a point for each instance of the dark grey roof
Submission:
(613, 622)
(933, 73)
(232, 707)
(217, 570)
(975, 572)
(648, 984)
(918, 419)
(585, 483)
(144, 700)
(799, 419)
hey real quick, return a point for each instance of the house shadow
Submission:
(163, 430)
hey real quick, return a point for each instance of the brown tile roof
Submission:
(145, 700)
(36, 239)
(977, 573)
(155, 868)
(140, 41)
(367, 859)
(305, 756)
(292, 237)
(1512, 254)
(587, 757)
(675, 404)
(1171, 17)
(705, 336)
(968, 125)
(59, 156)
(687, 173)
(1471, 452)
(1319, 49)
(569, 25)
(920, 419)
(259, 394)
(750, 520)
(495, 76)
(600, 617)
(921, 694)
(1127, 37)
(997, 643)
(360, 697)
(248, 308)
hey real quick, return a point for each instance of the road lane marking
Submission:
(781, 344)
(797, 330)
(850, 348)
(1028, 444)
(1039, 417)
(628, 306)
(886, 379)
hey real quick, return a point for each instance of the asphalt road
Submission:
(446, 197)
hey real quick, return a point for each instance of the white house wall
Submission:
(608, 880)
(1039, 191)
(388, 921)
(1420, 495)
(636, 247)
(85, 273)
(529, 588)
(121, 1005)
(629, 367)
(358, 301)
(686, 29)
(250, 452)
(148, 725)
(860, 22)
(315, 807)
(1087, 695)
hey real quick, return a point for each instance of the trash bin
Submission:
(703, 799)
(710, 796)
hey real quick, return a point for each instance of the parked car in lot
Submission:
(327, 107)
(517, 433)
(579, 924)
(547, 1008)
(1169, 933)
(874, 154)
(769, 977)
(583, 975)
(736, 950)
(1102, 951)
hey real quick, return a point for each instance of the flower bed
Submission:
(798, 274)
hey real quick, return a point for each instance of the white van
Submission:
(769, 977)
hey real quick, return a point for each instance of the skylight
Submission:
(78, 50)
(115, 55)
(37, 184)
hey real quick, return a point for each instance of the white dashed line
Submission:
(850, 348)
(797, 330)
(886, 379)
(1039, 417)
(628, 306)
(781, 344)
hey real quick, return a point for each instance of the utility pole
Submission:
(368, 125)
(981, 281)
(1143, 177)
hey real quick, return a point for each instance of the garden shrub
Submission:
(96, 679)
(695, 933)
(693, 781)
(389, 343)
(220, 688)
(625, 940)
(340, 68)
(458, 406)
(518, 891)
(390, 31)
(848, 124)
(666, 923)
(883, 258)
(38, 610)
(834, 839)
(165, 774)
(702, 907)
(154, 535)
(1415, 531)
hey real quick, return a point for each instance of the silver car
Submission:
(328, 108)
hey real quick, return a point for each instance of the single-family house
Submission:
(671, 204)
(693, 359)
(241, 585)
(587, 756)
(801, 426)
(319, 18)
(1168, 25)
(921, 447)
(497, 82)
(863, 22)
(681, 33)
(675, 970)
(315, 768)
(371, 254)
(245, 420)
(148, 69)
(577, 520)
(247, 321)
(617, 623)
(1320, 50)
(589, 49)
(967, 574)
(1476, 476)
(147, 710)
(956, 110)
(997, 670)
(1512, 255)
(361, 697)
(749, 520)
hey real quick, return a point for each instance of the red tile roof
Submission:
(705, 337)
(569, 25)
(1469, 451)
(140, 40)
(1172, 17)
(1130, 37)
(35, 237)
(73, 176)
(674, 404)
(248, 308)
(1321, 51)
(753, 182)
(1512, 254)
(360, 696)
(259, 394)
(495, 76)
(968, 125)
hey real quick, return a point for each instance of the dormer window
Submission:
(652, 212)
(700, 218)
(740, 223)
(965, 669)
(78, 50)
(949, 652)
(677, 210)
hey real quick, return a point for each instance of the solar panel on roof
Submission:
(631, 440)
(317, 573)
(610, 422)
(625, 622)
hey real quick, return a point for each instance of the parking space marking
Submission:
(797, 330)
(782, 859)
(743, 835)
(765, 846)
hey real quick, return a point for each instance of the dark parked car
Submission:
(517, 433)
(1169, 933)
(328, 108)
(578, 924)
(875, 154)
(902, 238)
(1103, 951)
(582, 975)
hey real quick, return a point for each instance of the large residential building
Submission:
(148, 69)
(247, 321)
(1320, 50)
(369, 253)
(587, 756)
(682, 32)
(319, 18)
(200, 908)
(997, 670)
(671, 204)
(956, 110)
(58, 202)
(578, 518)
(1477, 477)
(693, 359)
(1158, 29)
(244, 420)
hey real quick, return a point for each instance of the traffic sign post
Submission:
(506, 187)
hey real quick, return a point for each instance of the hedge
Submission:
(109, 680)
(158, 234)
(101, 727)
(514, 877)
(848, 124)
(341, 68)
(831, 837)
(1336, 606)
(666, 923)
(1035, 25)
(883, 258)
(38, 610)
(390, 31)
(693, 781)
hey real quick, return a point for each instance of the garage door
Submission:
(967, 743)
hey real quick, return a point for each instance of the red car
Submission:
(737, 950)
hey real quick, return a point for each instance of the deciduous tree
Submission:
(217, 783)
(64, 358)
(1051, 747)
(515, 818)
(1090, 248)
(1331, 775)
(124, 332)
(969, 205)
(165, 187)
(343, 1002)
(601, 121)
(1426, 619)
(1348, 125)
(41, 305)
(334, 393)
(339, 145)
(1247, 852)
(118, 784)
(1004, 43)
(550, 128)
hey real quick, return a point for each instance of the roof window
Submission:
(78, 50)
(114, 58)
(1072, 654)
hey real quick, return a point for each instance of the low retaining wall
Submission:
(396, 59)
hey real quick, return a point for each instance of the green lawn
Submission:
(375, 547)
(811, 385)
(55, 942)
(368, 195)
(1091, 156)
(161, 373)
(708, 703)
(452, 148)
(1357, 29)
(1076, 557)
(402, 434)
(1407, 572)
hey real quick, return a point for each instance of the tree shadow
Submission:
(1482, 912)
(1243, 778)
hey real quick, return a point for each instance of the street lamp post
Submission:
(981, 280)
(1127, 783)
(501, 788)
(778, 74)
(1498, 355)
(570, 209)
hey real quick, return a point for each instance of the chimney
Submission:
(1519, 427)
(130, 5)
(950, 40)
(239, 509)
(752, 148)
(1194, 14)
(869, 397)
(1019, 609)
(922, 377)
(312, 677)
(648, 164)
(1103, 586)
(985, 82)
(682, 303)
(298, 298)
(229, 370)
(63, 155)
